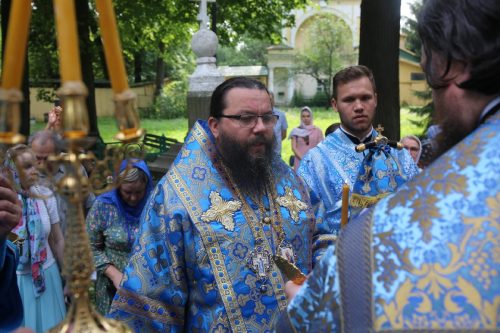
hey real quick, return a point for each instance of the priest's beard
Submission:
(452, 132)
(250, 173)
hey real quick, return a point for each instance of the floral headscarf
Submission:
(30, 227)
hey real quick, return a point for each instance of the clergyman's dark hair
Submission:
(466, 31)
(349, 74)
(218, 100)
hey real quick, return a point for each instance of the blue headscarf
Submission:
(131, 214)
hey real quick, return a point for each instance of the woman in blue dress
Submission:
(112, 223)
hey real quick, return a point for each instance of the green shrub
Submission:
(319, 100)
(148, 112)
(170, 104)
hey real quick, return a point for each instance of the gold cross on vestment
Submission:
(221, 211)
(290, 202)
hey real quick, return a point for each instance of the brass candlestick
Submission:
(78, 263)
(10, 120)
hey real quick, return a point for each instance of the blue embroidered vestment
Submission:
(326, 168)
(434, 249)
(190, 269)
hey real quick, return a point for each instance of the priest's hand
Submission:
(291, 289)
(114, 275)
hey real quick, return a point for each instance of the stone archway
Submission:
(281, 58)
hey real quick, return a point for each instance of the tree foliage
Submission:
(159, 29)
(259, 19)
(328, 48)
(155, 36)
(248, 52)
(410, 29)
(414, 44)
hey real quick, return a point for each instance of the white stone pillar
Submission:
(291, 87)
(270, 80)
(206, 77)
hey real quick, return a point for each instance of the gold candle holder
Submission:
(75, 119)
(10, 120)
(78, 264)
(127, 118)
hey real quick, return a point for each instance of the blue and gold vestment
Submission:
(326, 168)
(434, 249)
(191, 269)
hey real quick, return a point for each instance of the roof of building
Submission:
(243, 70)
(408, 55)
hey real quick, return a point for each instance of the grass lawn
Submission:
(177, 128)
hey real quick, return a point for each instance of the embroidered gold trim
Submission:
(362, 201)
(258, 233)
(214, 252)
(148, 308)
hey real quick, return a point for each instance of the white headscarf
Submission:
(413, 137)
(303, 130)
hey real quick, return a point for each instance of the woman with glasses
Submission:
(304, 137)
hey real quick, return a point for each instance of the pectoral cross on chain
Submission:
(379, 129)
(259, 262)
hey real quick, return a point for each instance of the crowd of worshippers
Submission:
(356, 237)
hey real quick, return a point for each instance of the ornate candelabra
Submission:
(75, 186)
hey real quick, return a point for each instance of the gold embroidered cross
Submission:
(221, 211)
(290, 202)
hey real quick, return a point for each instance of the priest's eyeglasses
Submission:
(250, 120)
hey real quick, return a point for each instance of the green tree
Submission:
(249, 52)
(413, 44)
(254, 18)
(410, 29)
(155, 36)
(328, 48)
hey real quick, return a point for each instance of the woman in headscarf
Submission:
(113, 223)
(40, 243)
(413, 145)
(304, 137)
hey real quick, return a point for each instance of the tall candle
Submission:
(67, 40)
(15, 45)
(345, 205)
(112, 46)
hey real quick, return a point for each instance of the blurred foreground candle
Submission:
(112, 47)
(16, 42)
(345, 205)
(67, 40)
(14, 55)
(127, 118)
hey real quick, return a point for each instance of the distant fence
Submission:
(103, 99)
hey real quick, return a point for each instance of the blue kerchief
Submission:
(131, 214)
